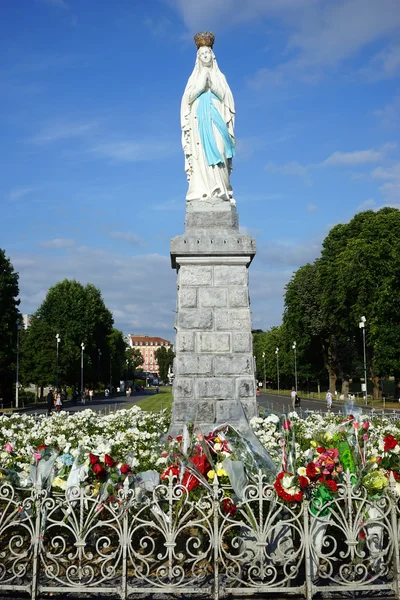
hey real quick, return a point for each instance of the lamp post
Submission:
(111, 357)
(83, 347)
(295, 365)
(58, 340)
(362, 326)
(98, 369)
(277, 366)
(19, 327)
(126, 375)
(265, 378)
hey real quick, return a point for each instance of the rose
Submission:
(99, 470)
(125, 469)
(93, 459)
(110, 462)
(228, 506)
(331, 484)
(8, 447)
(311, 471)
(286, 425)
(303, 481)
(366, 425)
(389, 443)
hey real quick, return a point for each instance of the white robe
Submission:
(206, 181)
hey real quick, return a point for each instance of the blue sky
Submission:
(92, 184)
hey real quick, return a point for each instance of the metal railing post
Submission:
(36, 541)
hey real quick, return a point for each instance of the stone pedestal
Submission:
(214, 364)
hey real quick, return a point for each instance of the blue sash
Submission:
(207, 114)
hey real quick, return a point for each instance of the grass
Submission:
(158, 401)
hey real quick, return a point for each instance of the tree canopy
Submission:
(9, 320)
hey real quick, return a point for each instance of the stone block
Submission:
(230, 275)
(184, 341)
(213, 342)
(238, 297)
(250, 407)
(212, 297)
(242, 342)
(234, 319)
(228, 411)
(205, 412)
(183, 387)
(195, 275)
(187, 297)
(183, 411)
(233, 364)
(246, 387)
(195, 319)
(189, 364)
(214, 388)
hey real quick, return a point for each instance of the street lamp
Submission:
(362, 326)
(111, 357)
(58, 340)
(265, 379)
(83, 347)
(19, 327)
(98, 369)
(277, 365)
(126, 375)
(295, 365)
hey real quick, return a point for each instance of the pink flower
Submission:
(365, 437)
(366, 425)
(37, 455)
(286, 425)
(8, 447)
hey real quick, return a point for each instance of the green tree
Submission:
(78, 314)
(165, 359)
(9, 318)
(115, 355)
(359, 274)
(135, 359)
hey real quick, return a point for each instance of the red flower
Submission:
(331, 484)
(286, 425)
(303, 482)
(173, 470)
(125, 469)
(42, 447)
(321, 450)
(311, 471)
(362, 534)
(110, 462)
(93, 459)
(389, 443)
(190, 481)
(366, 425)
(228, 506)
(99, 470)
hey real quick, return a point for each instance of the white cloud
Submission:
(139, 290)
(286, 253)
(350, 159)
(158, 27)
(174, 204)
(127, 236)
(391, 176)
(369, 204)
(389, 115)
(312, 208)
(384, 65)
(266, 77)
(18, 193)
(134, 151)
(291, 168)
(63, 131)
(58, 243)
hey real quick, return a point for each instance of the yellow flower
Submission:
(221, 472)
(302, 471)
(217, 440)
(1, 475)
(211, 474)
(314, 444)
(60, 483)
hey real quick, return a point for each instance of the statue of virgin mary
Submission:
(207, 121)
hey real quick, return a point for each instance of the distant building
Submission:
(148, 346)
(26, 321)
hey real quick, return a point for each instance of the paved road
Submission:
(283, 404)
(99, 404)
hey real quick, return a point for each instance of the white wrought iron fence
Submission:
(171, 541)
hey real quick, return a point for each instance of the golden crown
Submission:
(204, 39)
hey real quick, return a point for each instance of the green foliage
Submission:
(78, 314)
(9, 316)
(134, 359)
(165, 360)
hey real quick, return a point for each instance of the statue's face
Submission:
(205, 56)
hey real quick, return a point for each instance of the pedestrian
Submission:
(106, 392)
(157, 389)
(58, 402)
(328, 400)
(50, 402)
(293, 396)
(90, 395)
